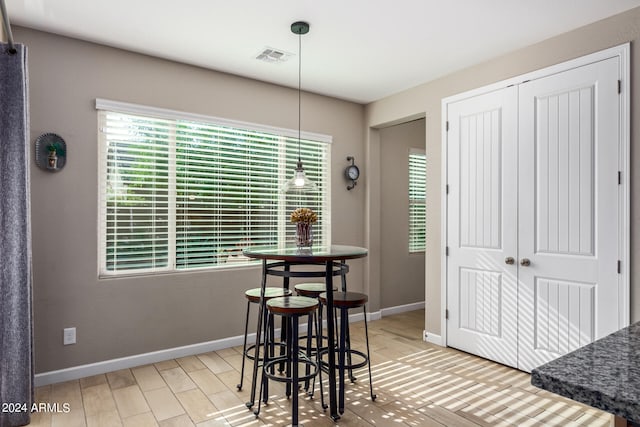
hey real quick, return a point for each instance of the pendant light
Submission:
(299, 183)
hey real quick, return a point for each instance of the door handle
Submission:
(525, 262)
(509, 260)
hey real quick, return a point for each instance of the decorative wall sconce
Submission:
(352, 173)
(51, 152)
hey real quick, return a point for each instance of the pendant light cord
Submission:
(299, 182)
(299, 89)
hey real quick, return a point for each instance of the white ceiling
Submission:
(358, 50)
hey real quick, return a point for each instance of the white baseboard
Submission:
(402, 308)
(82, 371)
(433, 338)
(77, 372)
(357, 317)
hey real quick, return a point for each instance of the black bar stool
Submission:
(343, 302)
(312, 290)
(290, 308)
(253, 297)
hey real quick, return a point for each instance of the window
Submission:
(181, 191)
(417, 205)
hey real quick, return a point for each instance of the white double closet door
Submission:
(533, 217)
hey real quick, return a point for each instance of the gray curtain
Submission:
(16, 329)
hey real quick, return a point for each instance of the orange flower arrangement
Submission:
(304, 215)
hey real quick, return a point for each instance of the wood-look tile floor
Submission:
(417, 384)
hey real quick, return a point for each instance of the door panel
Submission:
(563, 313)
(482, 230)
(564, 148)
(480, 179)
(480, 301)
(567, 173)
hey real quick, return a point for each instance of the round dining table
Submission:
(317, 261)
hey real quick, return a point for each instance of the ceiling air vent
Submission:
(273, 56)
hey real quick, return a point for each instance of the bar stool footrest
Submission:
(251, 356)
(359, 364)
(363, 363)
(301, 378)
(313, 337)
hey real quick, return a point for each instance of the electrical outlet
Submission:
(69, 336)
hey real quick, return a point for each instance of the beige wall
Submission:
(401, 273)
(120, 317)
(426, 100)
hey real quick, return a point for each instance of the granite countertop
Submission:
(604, 374)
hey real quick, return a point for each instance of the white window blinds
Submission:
(189, 192)
(417, 205)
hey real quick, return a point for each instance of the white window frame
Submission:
(411, 244)
(167, 114)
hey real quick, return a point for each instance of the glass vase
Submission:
(304, 235)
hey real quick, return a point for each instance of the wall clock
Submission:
(352, 173)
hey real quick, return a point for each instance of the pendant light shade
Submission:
(299, 182)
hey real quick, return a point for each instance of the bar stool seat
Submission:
(253, 297)
(292, 305)
(291, 308)
(311, 290)
(346, 299)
